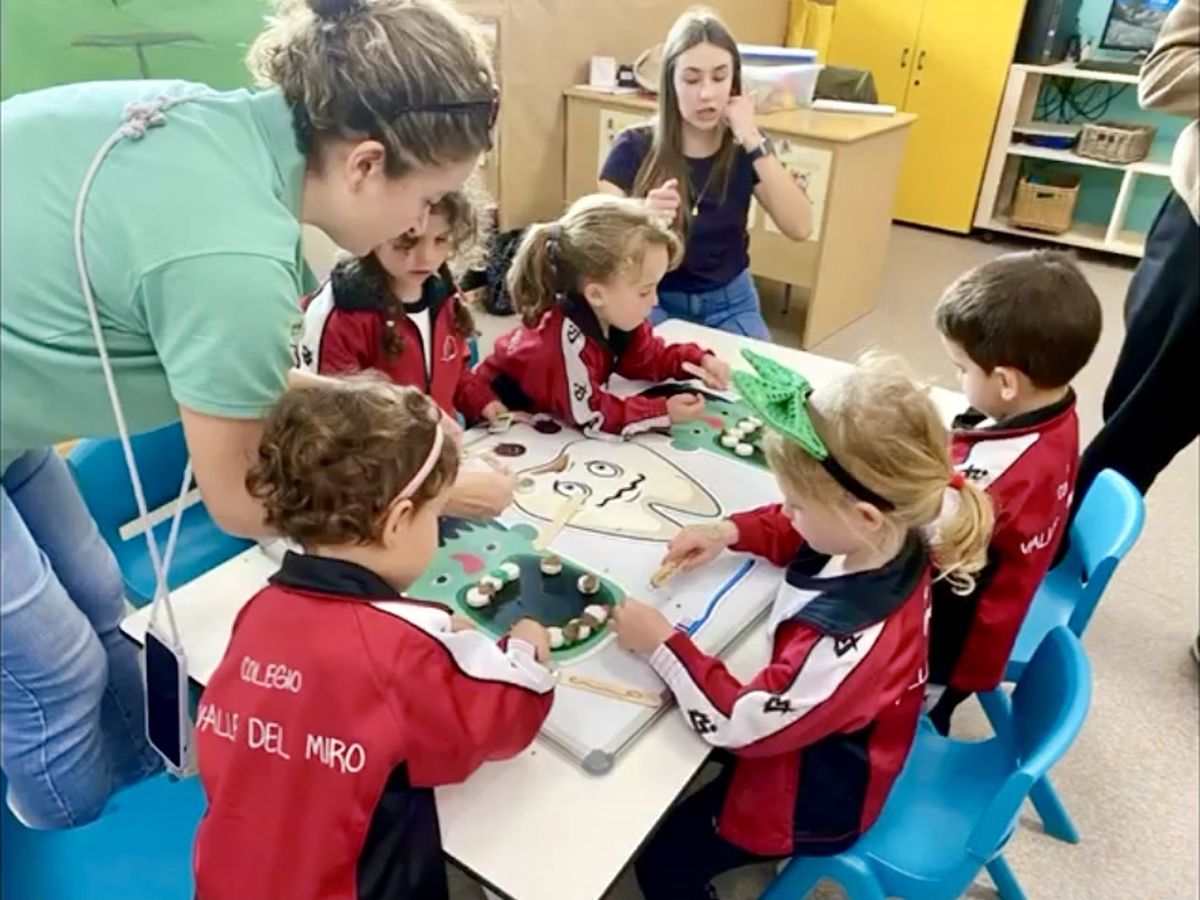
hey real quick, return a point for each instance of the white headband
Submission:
(435, 450)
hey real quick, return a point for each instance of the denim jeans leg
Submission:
(72, 716)
(739, 310)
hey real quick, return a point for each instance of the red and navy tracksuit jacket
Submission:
(344, 324)
(821, 733)
(1028, 466)
(338, 707)
(563, 364)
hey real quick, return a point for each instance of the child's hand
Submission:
(716, 372)
(461, 623)
(535, 635)
(685, 407)
(664, 201)
(494, 411)
(639, 627)
(698, 545)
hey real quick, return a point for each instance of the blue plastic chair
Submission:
(99, 470)
(955, 805)
(139, 849)
(1106, 527)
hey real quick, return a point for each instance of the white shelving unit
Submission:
(1004, 159)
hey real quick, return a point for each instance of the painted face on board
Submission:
(628, 490)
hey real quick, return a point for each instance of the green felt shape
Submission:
(780, 397)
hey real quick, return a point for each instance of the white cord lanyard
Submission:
(138, 118)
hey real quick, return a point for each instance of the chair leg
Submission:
(1051, 811)
(998, 708)
(1005, 879)
(802, 875)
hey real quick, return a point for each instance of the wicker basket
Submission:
(1115, 143)
(1046, 205)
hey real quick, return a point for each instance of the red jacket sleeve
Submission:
(1019, 562)
(473, 391)
(806, 693)
(348, 343)
(571, 387)
(467, 701)
(649, 358)
(767, 532)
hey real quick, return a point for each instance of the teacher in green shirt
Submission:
(189, 232)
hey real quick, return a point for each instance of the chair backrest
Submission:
(1105, 528)
(1049, 705)
(103, 479)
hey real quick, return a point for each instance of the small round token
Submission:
(744, 449)
(755, 421)
(730, 440)
(477, 599)
(598, 612)
(551, 565)
(509, 449)
(576, 631)
(588, 584)
(556, 637)
(510, 570)
(492, 582)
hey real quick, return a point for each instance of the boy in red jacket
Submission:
(584, 286)
(1018, 329)
(340, 702)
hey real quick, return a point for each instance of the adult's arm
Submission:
(221, 327)
(784, 200)
(1170, 77)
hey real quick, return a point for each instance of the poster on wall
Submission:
(810, 167)
(612, 123)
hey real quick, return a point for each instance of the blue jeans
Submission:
(733, 308)
(72, 710)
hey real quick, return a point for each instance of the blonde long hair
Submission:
(665, 159)
(598, 238)
(883, 428)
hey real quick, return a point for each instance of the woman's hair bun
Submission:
(335, 9)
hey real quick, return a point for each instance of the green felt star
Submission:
(780, 397)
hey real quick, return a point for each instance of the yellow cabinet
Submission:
(946, 61)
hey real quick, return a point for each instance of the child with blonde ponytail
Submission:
(584, 286)
(820, 734)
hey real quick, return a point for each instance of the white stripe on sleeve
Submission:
(307, 352)
(472, 652)
(757, 715)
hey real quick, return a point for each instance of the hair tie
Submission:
(957, 481)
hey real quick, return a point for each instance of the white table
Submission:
(498, 824)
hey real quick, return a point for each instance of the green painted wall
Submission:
(46, 42)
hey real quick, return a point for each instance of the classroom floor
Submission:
(1131, 781)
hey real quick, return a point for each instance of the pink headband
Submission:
(435, 451)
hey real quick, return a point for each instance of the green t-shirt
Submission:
(193, 248)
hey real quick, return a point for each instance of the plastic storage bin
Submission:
(782, 87)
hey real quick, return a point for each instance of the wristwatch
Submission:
(764, 148)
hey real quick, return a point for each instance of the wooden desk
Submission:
(497, 824)
(852, 164)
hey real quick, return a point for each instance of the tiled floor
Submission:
(1131, 782)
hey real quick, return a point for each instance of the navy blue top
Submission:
(718, 245)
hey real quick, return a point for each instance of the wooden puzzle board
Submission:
(636, 496)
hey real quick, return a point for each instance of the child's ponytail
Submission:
(960, 540)
(533, 280)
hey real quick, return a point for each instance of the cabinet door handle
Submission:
(904, 58)
(921, 61)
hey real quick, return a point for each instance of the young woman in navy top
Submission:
(699, 164)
